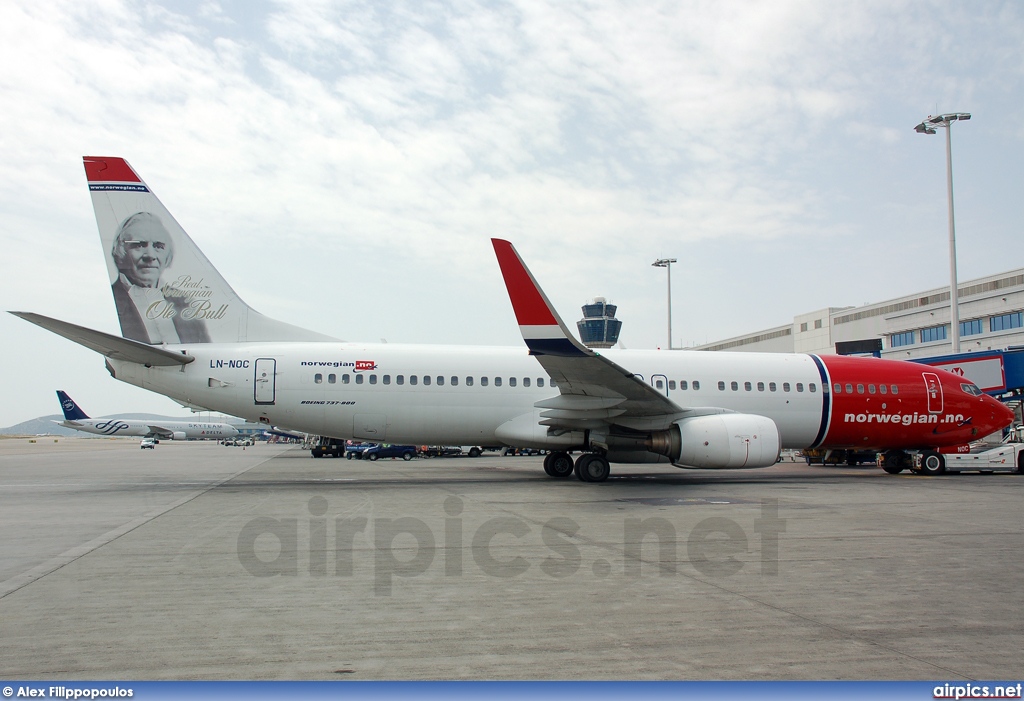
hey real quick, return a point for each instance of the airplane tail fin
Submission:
(72, 412)
(165, 290)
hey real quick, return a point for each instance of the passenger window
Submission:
(426, 380)
(671, 385)
(837, 388)
(882, 389)
(440, 380)
(860, 389)
(721, 385)
(760, 387)
(658, 384)
(387, 379)
(511, 382)
(400, 380)
(849, 389)
(747, 386)
(696, 384)
(871, 389)
(682, 384)
(455, 380)
(497, 382)
(785, 386)
(734, 385)
(332, 379)
(414, 379)
(483, 381)
(895, 389)
(359, 379)
(373, 379)
(812, 387)
(771, 387)
(526, 382)
(540, 381)
(469, 380)
(318, 378)
(799, 386)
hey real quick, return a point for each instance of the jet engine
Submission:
(720, 441)
(178, 435)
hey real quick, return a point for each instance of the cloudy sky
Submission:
(344, 164)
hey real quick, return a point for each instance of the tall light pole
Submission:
(667, 264)
(928, 126)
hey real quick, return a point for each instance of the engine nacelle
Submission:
(726, 441)
(178, 435)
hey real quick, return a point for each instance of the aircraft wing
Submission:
(159, 431)
(110, 346)
(593, 389)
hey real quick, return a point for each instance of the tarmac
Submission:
(201, 561)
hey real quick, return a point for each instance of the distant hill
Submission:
(44, 425)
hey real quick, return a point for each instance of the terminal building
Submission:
(911, 327)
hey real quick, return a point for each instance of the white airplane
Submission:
(187, 335)
(77, 419)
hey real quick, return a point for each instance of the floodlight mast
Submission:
(928, 126)
(667, 264)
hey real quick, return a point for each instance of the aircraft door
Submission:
(934, 389)
(660, 383)
(266, 372)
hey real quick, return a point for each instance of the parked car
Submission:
(356, 450)
(148, 443)
(406, 452)
(523, 451)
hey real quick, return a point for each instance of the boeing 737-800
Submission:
(77, 419)
(187, 335)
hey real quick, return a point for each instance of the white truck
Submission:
(1007, 456)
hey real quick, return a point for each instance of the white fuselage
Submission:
(367, 391)
(159, 429)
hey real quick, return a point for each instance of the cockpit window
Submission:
(971, 388)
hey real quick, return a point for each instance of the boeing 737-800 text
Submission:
(187, 335)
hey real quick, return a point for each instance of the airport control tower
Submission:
(599, 328)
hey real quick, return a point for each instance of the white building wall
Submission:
(818, 332)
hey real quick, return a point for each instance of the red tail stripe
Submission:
(108, 169)
(527, 301)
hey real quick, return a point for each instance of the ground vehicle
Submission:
(522, 451)
(441, 451)
(406, 452)
(1007, 456)
(356, 450)
(839, 457)
(148, 443)
(325, 445)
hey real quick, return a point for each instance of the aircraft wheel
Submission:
(933, 464)
(406, 456)
(591, 467)
(558, 465)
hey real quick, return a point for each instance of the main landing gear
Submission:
(589, 467)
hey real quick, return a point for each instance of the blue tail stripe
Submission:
(553, 346)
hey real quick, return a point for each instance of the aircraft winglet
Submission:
(542, 329)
